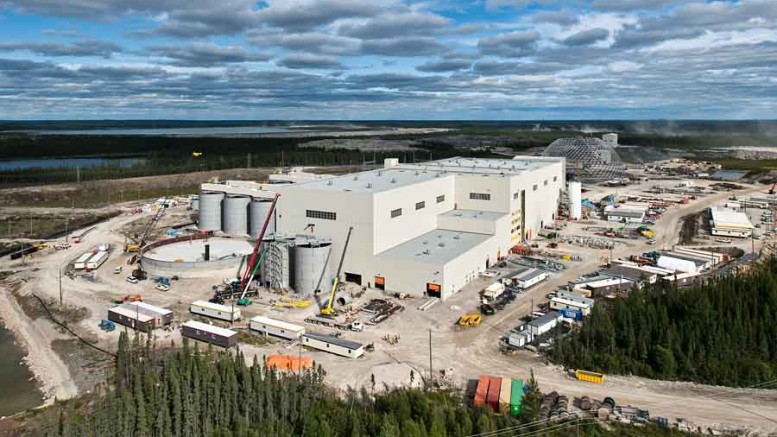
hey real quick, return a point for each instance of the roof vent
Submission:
(441, 244)
(329, 182)
(356, 178)
(416, 172)
(393, 180)
(456, 237)
(380, 173)
(427, 252)
(369, 185)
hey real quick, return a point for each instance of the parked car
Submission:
(487, 310)
(132, 279)
(163, 287)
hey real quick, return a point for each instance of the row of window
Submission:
(418, 205)
(325, 215)
(480, 196)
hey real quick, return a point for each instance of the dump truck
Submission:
(469, 320)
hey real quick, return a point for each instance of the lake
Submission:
(22, 164)
(174, 131)
(19, 389)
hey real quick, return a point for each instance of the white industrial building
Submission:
(417, 228)
(730, 223)
(626, 213)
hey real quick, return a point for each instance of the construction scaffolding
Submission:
(276, 268)
(590, 159)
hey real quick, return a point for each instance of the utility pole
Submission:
(431, 372)
(78, 175)
(60, 285)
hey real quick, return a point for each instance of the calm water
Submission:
(21, 164)
(175, 131)
(19, 391)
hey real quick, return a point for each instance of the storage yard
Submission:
(411, 250)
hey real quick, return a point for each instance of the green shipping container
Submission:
(516, 397)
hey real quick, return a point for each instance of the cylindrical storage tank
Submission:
(575, 200)
(210, 211)
(257, 215)
(235, 215)
(310, 261)
(194, 203)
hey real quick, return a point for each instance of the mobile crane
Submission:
(329, 309)
(772, 190)
(255, 261)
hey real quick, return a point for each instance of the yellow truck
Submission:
(469, 320)
(588, 376)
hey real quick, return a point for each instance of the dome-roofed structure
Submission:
(590, 159)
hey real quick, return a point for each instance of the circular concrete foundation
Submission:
(186, 256)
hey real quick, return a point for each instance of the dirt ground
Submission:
(468, 353)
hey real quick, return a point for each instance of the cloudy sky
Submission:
(388, 59)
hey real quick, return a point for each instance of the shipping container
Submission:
(80, 263)
(481, 391)
(214, 310)
(223, 337)
(516, 397)
(278, 328)
(494, 387)
(504, 396)
(97, 260)
(585, 375)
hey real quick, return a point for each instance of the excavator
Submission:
(329, 309)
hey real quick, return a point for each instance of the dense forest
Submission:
(721, 332)
(188, 392)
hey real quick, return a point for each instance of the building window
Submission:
(545, 183)
(325, 215)
(441, 199)
(479, 196)
(396, 212)
(534, 188)
(555, 178)
(420, 205)
(516, 195)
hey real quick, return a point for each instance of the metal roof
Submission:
(438, 246)
(132, 313)
(627, 272)
(544, 320)
(529, 274)
(277, 323)
(214, 306)
(473, 214)
(352, 345)
(728, 218)
(210, 328)
(517, 165)
(147, 309)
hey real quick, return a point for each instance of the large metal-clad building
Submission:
(427, 228)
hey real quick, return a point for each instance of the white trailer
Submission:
(215, 311)
(97, 260)
(529, 278)
(493, 291)
(334, 345)
(80, 263)
(277, 328)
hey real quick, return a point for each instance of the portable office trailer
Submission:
(277, 328)
(494, 388)
(334, 345)
(131, 317)
(561, 303)
(516, 397)
(97, 260)
(215, 311)
(504, 395)
(529, 278)
(80, 263)
(162, 316)
(223, 337)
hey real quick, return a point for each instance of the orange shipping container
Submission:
(481, 392)
(288, 363)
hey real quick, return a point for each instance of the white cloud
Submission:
(623, 66)
(714, 40)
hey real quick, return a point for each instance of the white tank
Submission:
(575, 200)
(235, 215)
(310, 263)
(257, 215)
(210, 211)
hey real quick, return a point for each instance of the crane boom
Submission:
(771, 190)
(250, 267)
(329, 309)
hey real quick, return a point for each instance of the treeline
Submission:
(721, 332)
(190, 393)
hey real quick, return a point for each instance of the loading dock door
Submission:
(380, 282)
(353, 277)
(433, 290)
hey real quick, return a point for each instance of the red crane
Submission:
(774, 185)
(250, 270)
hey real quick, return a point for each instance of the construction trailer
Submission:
(563, 303)
(529, 278)
(80, 262)
(277, 328)
(97, 260)
(140, 315)
(223, 337)
(333, 345)
(215, 311)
